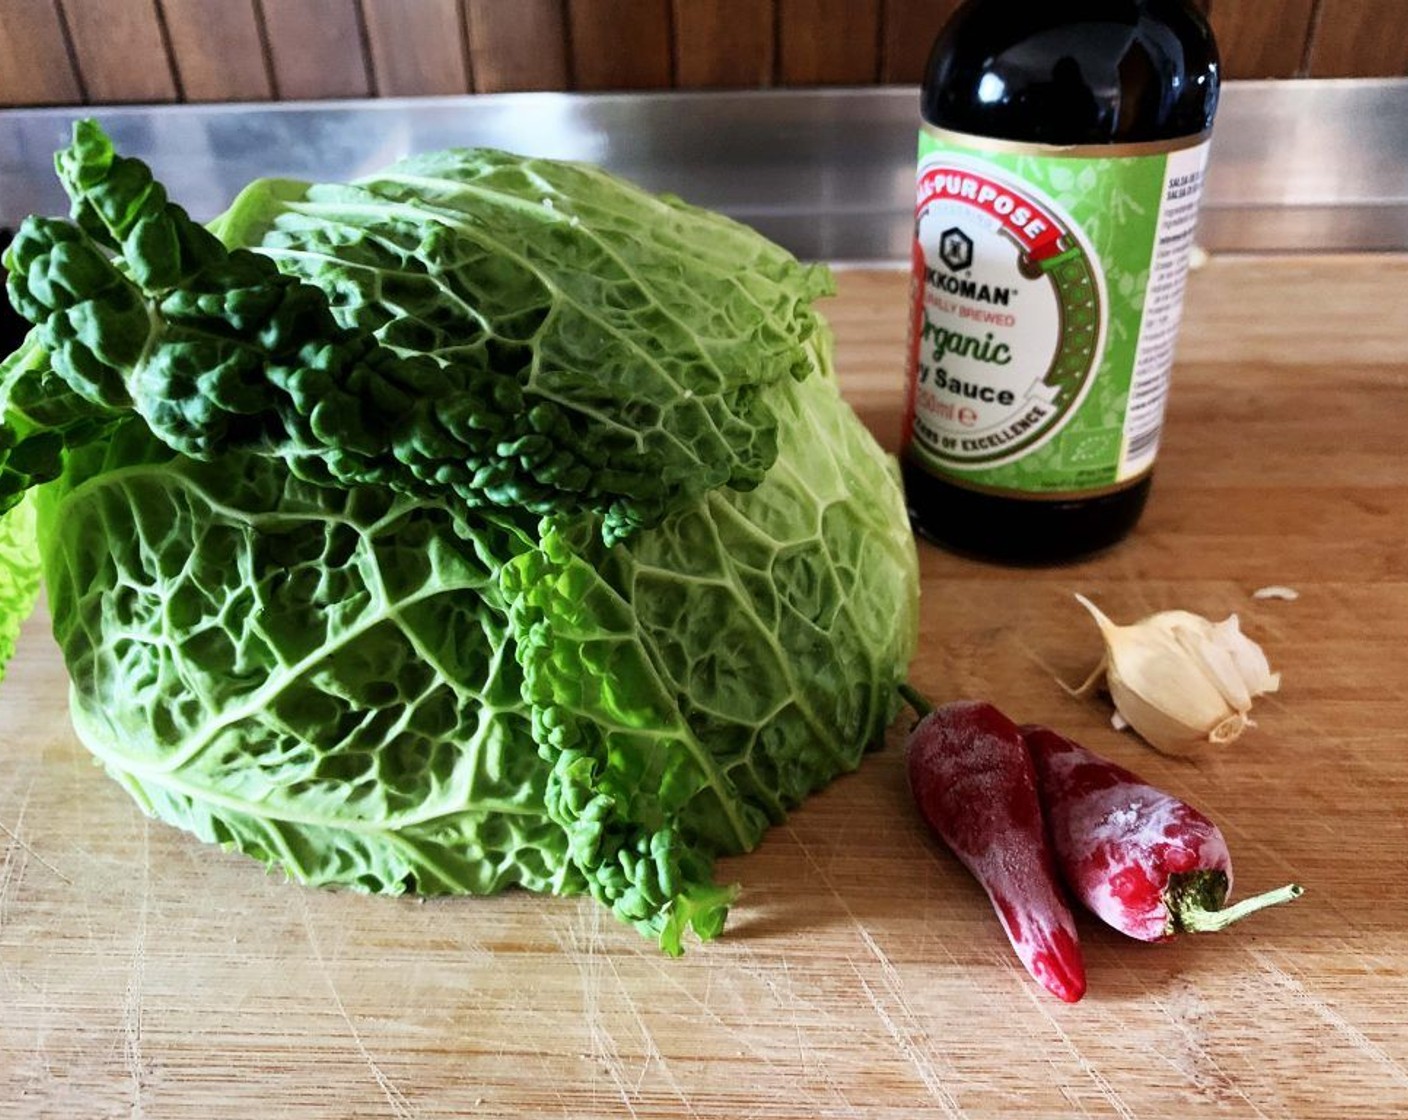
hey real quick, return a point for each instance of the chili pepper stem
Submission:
(1195, 902)
(915, 699)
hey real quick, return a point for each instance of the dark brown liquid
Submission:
(1069, 72)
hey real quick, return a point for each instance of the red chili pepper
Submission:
(975, 785)
(1147, 863)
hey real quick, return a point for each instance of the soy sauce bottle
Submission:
(1061, 161)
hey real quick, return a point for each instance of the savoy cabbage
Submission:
(484, 522)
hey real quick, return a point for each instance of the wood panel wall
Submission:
(104, 51)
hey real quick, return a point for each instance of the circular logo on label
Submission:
(1011, 323)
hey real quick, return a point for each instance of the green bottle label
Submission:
(1048, 287)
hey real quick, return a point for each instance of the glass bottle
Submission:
(1061, 162)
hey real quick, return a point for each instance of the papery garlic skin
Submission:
(1179, 679)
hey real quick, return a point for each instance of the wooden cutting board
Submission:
(143, 974)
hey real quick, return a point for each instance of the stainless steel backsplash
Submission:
(1296, 165)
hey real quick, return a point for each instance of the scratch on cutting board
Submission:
(665, 974)
(11, 871)
(786, 997)
(136, 982)
(17, 839)
(791, 1003)
(1102, 1083)
(841, 900)
(1298, 992)
(581, 949)
(914, 1052)
(912, 1042)
(18, 853)
(1201, 1067)
(1369, 963)
(400, 1105)
(917, 1050)
(652, 1049)
(810, 1064)
(801, 1094)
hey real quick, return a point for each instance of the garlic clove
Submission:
(1249, 657)
(1164, 694)
(1169, 733)
(1216, 661)
(1179, 679)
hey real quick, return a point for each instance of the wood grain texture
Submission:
(1360, 38)
(418, 48)
(1260, 40)
(620, 44)
(518, 46)
(120, 51)
(35, 68)
(217, 50)
(317, 48)
(211, 49)
(908, 30)
(724, 43)
(828, 42)
(863, 973)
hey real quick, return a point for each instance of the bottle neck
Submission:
(1074, 72)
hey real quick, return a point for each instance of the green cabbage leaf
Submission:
(433, 330)
(19, 575)
(487, 522)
